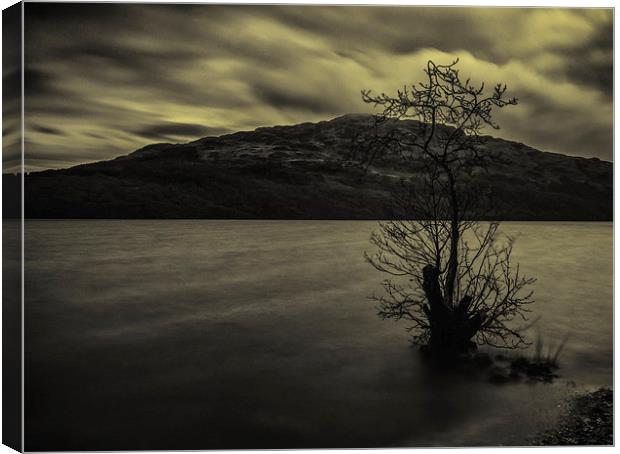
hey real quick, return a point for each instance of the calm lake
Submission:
(259, 334)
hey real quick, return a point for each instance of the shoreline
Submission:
(587, 421)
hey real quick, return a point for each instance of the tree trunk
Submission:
(453, 259)
(451, 328)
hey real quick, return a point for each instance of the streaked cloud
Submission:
(111, 78)
(170, 131)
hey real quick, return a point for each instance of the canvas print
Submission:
(300, 226)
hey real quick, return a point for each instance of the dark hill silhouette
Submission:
(302, 172)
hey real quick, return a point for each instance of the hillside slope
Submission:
(298, 172)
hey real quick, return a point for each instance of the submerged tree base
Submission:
(460, 353)
(470, 361)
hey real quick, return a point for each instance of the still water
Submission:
(238, 334)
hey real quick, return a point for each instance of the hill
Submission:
(301, 172)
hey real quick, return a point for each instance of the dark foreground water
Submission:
(239, 334)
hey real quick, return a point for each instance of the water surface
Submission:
(239, 334)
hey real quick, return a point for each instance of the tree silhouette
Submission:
(450, 275)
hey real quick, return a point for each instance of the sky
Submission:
(102, 80)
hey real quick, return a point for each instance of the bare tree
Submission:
(451, 277)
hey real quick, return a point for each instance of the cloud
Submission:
(292, 99)
(46, 130)
(591, 63)
(168, 131)
(113, 77)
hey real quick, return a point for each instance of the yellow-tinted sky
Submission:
(105, 79)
